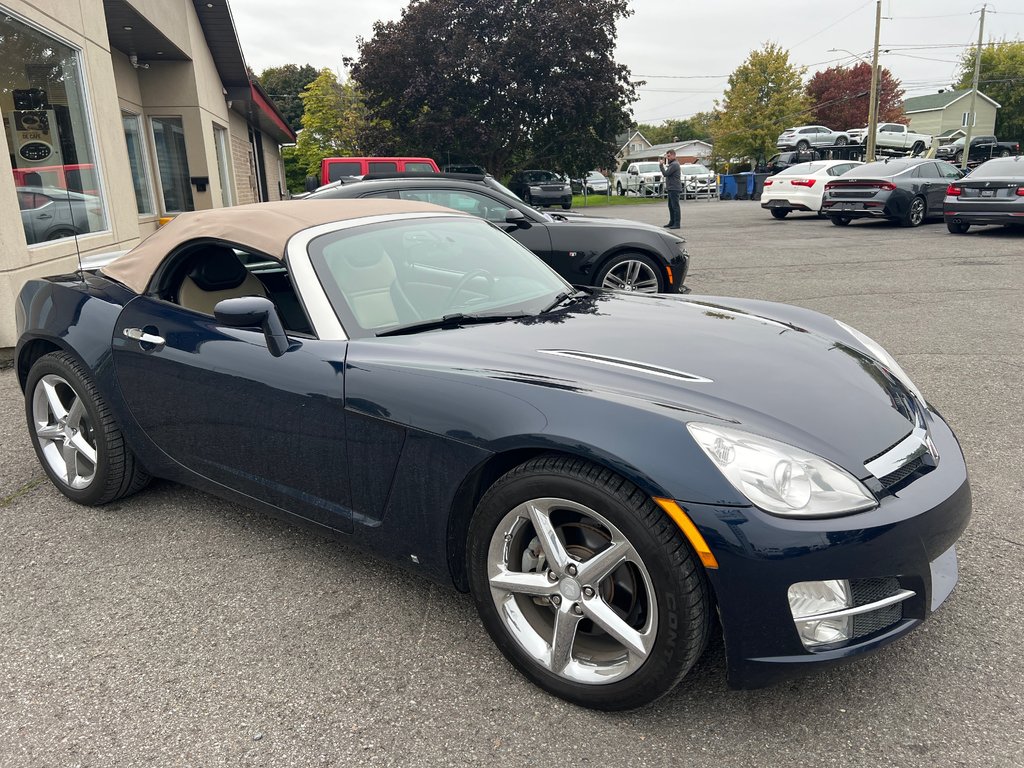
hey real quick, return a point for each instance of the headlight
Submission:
(535, 189)
(883, 357)
(779, 478)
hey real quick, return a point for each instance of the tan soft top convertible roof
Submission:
(263, 227)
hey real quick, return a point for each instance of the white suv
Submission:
(807, 136)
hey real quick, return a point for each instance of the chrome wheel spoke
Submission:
(562, 640)
(612, 280)
(633, 272)
(53, 400)
(70, 456)
(75, 414)
(523, 583)
(49, 432)
(647, 286)
(82, 447)
(595, 569)
(549, 541)
(602, 614)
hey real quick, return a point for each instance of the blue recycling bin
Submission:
(744, 185)
(727, 191)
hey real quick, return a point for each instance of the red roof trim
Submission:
(268, 109)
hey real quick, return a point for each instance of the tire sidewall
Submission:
(670, 653)
(61, 364)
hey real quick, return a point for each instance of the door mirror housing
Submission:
(517, 218)
(254, 311)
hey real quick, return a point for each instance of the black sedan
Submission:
(993, 193)
(542, 188)
(906, 190)
(414, 381)
(585, 250)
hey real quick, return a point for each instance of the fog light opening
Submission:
(811, 602)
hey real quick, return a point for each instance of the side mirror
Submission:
(312, 182)
(254, 311)
(634, 172)
(517, 218)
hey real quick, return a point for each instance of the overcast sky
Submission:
(684, 49)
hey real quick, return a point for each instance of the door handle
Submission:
(44, 216)
(137, 334)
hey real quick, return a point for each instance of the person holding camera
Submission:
(670, 174)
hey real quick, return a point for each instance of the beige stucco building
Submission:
(117, 113)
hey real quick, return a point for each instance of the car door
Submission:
(932, 184)
(214, 400)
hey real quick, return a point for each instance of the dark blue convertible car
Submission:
(413, 379)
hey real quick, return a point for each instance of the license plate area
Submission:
(988, 193)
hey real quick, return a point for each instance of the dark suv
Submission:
(585, 250)
(784, 160)
(542, 188)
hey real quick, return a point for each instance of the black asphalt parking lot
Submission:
(173, 629)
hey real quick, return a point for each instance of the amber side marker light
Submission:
(673, 510)
(164, 219)
(671, 279)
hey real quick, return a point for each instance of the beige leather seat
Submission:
(216, 274)
(366, 277)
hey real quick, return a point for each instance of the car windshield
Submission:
(595, 176)
(424, 269)
(690, 170)
(958, 143)
(1004, 166)
(534, 176)
(648, 167)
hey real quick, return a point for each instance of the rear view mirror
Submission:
(254, 311)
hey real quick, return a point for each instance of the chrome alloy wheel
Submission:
(65, 431)
(631, 275)
(916, 215)
(572, 591)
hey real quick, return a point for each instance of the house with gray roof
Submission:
(943, 114)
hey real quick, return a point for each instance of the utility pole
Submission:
(873, 98)
(974, 93)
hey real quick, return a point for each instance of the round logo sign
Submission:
(35, 151)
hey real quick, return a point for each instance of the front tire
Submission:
(585, 585)
(780, 213)
(918, 148)
(803, 145)
(75, 436)
(632, 272)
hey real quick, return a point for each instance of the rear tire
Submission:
(780, 213)
(958, 227)
(1004, 152)
(619, 191)
(840, 221)
(916, 213)
(566, 206)
(842, 141)
(918, 148)
(75, 436)
(637, 626)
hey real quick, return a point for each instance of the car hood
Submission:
(697, 358)
(570, 219)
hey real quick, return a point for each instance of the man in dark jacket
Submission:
(673, 185)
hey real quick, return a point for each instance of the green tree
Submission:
(512, 81)
(285, 85)
(764, 96)
(333, 118)
(1001, 68)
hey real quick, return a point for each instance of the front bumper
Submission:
(761, 555)
(550, 197)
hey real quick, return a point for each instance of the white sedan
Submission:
(801, 187)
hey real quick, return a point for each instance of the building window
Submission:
(172, 164)
(46, 120)
(137, 160)
(220, 141)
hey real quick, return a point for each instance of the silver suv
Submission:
(807, 136)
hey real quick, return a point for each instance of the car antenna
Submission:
(74, 229)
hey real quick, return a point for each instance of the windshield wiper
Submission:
(450, 321)
(561, 298)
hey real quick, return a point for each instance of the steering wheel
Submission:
(465, 280)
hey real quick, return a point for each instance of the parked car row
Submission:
(908, 191)
(892, 136)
